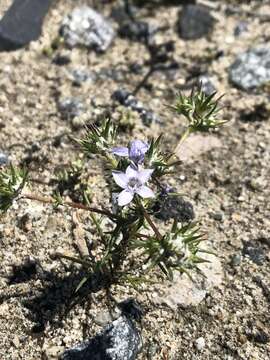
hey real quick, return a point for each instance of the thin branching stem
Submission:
(50, 200)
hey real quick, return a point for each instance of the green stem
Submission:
(183, 138)
(111, 160)
(99, 230)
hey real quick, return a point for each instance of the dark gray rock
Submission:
(3, 159)
(111, 73)
(125, 98)
(86, 27)
(123, 13)
(240, 28)
(119, 341)
(136, 30)
(236, 260)
(121, 96)
(70, 107)
(169, 206)
(206, 84)
(22, 23)
(61, 60)
(260, 337)
(255, 253)
(195, 22)
(136, 68)
(81, 76)
(251, 69)
(218, 216)
(148, 117)
(131, 309)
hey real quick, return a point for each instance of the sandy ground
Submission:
(232, 180)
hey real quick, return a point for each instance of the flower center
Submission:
(134, 183)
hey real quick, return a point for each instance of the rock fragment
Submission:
(184, 292)
(251, 69)
(70, 107)
(126, 99)
(200, 343)
(240, 28)
(206, 84)
(80, 76)
(254, 253)
(3, 158)
(86, 27)
(173, 207)
(136, 31)
(195, 22)
(119, 341)
(22, 23)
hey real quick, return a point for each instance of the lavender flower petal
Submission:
(125, 197)
(120, 151)
(120, 178)
(139, 145)
(137, 150)
(144, 175)
(131, 172)
(145, 192)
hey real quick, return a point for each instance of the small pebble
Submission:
(240, 28)
(61, 60)
(236, 260)
(70, 107)
(207, 86)
(200, 343)
(218, 216)
(3, 159)
(136, 30)
(80, 76)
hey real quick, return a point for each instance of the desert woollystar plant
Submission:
(135, 174)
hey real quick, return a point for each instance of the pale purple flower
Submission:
(136, 151)
(133, 182)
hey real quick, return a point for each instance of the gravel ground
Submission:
(228, 186)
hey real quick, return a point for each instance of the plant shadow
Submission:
(53, 300)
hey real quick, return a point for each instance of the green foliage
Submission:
(12, 181)
(99, 140)
(157, 159)
(70, 181)
(126, 122)
(200, 110)
(176, 250)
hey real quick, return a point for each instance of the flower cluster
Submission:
(134, 178)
